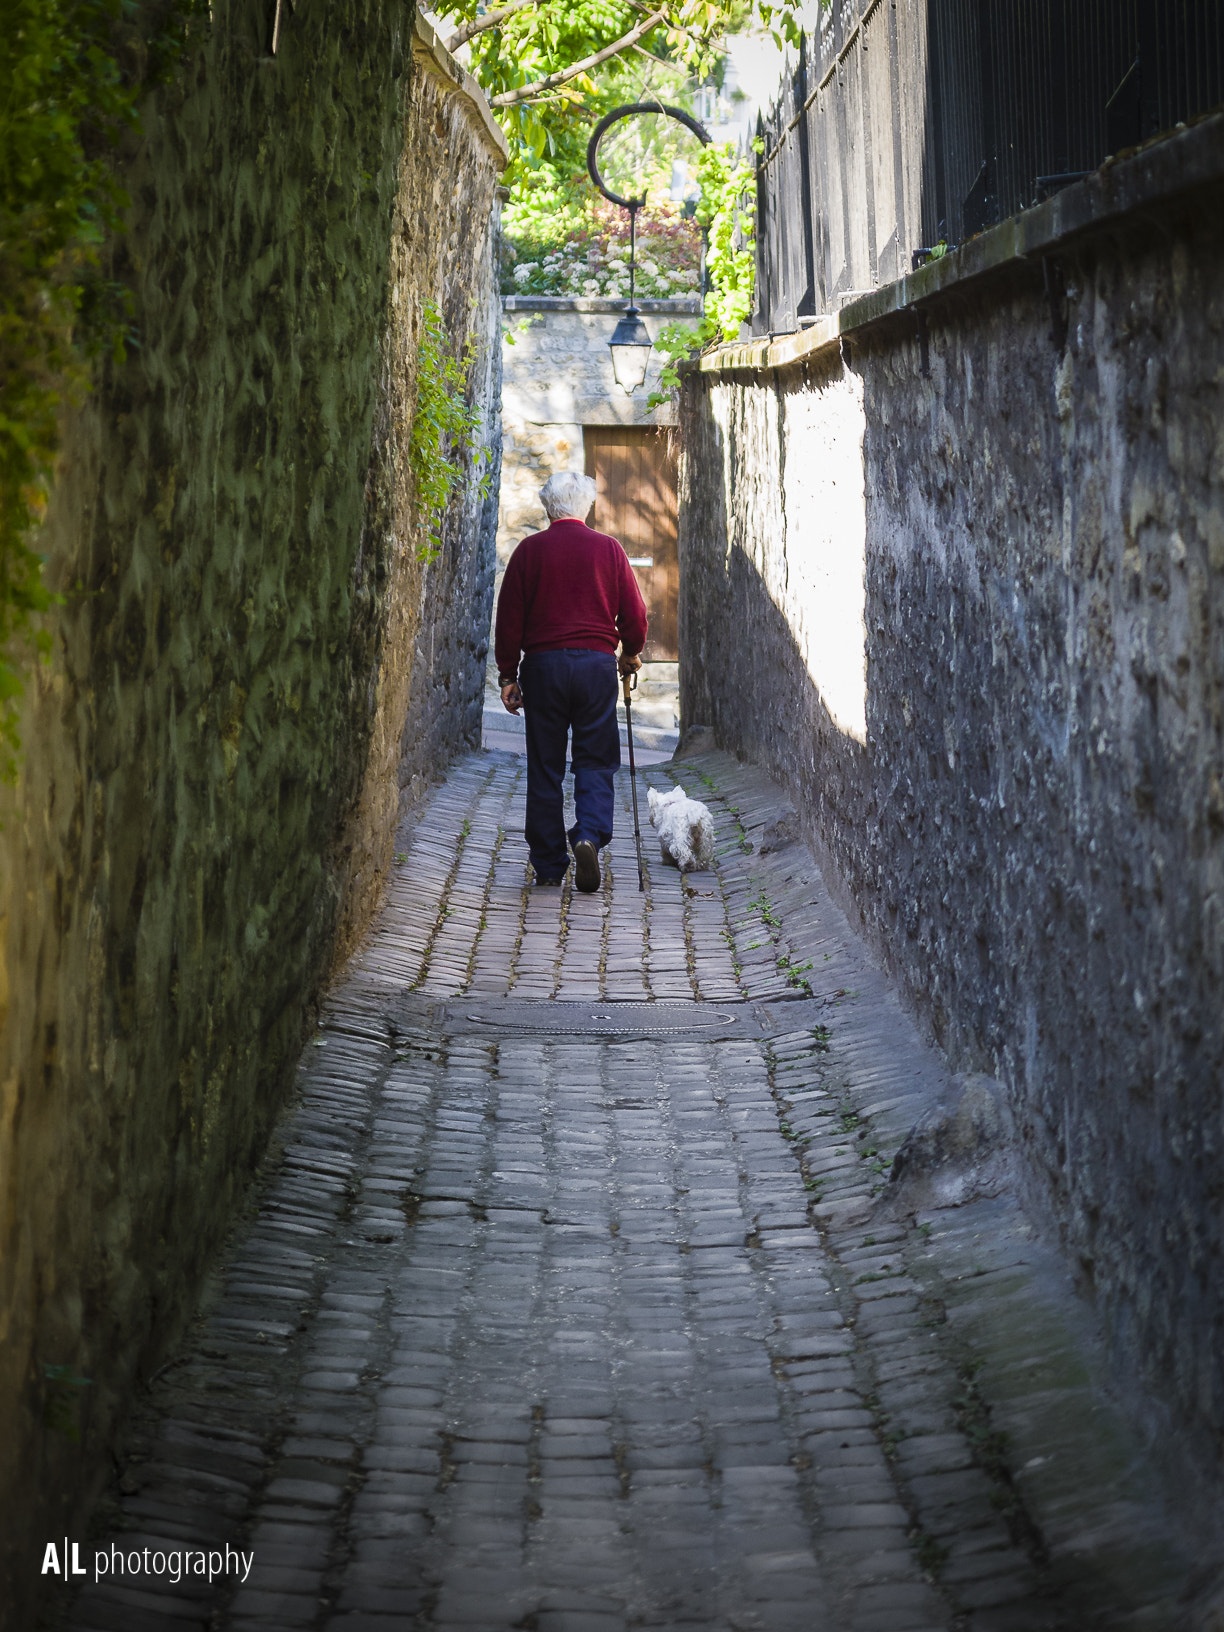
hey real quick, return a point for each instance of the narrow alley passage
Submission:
(566, 1300)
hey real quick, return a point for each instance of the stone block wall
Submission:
(428, 692)
(557, 377)
(253, 667)
(955, 572)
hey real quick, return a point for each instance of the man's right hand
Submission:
(512, 697)
(628, 665)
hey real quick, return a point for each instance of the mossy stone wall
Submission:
(202, 818)
(961, 586)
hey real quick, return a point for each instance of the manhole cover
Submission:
(603, 1019)
(547, 1017)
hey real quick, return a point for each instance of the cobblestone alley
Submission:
(566, 1301)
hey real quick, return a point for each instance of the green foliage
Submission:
(551, 127)
(538, 41)
(932, 1555)
(762, 904)
(727, 211)
(444, 426)
(71, 75)
(549, 221)
(586, 252)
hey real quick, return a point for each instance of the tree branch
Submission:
(677, 28)
(491, 19)
(521, 94)
(650, 57)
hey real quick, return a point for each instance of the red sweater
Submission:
(568, 586)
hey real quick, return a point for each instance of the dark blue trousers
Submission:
(572, 690)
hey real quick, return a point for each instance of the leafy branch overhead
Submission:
(550, 67)
(579, 69)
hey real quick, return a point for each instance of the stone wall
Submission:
(429, 691)
(557, 377)
(954, 570)
(212, 771)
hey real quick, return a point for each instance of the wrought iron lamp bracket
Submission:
(630, 336)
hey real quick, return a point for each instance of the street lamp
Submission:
(630, 343)
(630, 347)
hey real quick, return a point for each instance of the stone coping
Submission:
(429, 52)
(683, 304)
(1189, 159)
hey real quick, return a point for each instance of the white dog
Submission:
(686, 829)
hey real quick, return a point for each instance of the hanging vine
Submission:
(444, 428)
(728, 213)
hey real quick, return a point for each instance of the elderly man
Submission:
(568, 597)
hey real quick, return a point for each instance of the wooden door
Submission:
(635, 478)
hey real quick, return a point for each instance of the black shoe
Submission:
(552, 882)
(586, 867)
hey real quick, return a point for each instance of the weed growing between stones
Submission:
(796, 973)
(990, 1447)
(760, 903)
(736, 965)
(931, 1554)
(890, 1440)
(445, 910)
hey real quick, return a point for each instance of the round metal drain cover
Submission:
(602, 1020)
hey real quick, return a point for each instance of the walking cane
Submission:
(631, 685)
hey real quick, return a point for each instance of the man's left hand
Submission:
(512, 697)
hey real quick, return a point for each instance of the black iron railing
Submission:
(913, 123)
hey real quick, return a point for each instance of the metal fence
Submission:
(913, 122)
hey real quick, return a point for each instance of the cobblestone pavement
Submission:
(564, 1303)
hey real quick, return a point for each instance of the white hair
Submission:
(569, 494)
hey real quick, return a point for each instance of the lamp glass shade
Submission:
(630, 347)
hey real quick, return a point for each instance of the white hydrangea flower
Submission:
(618, 266)
(651, 268)
(691, 278)
(522, 273)
(590, 286)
